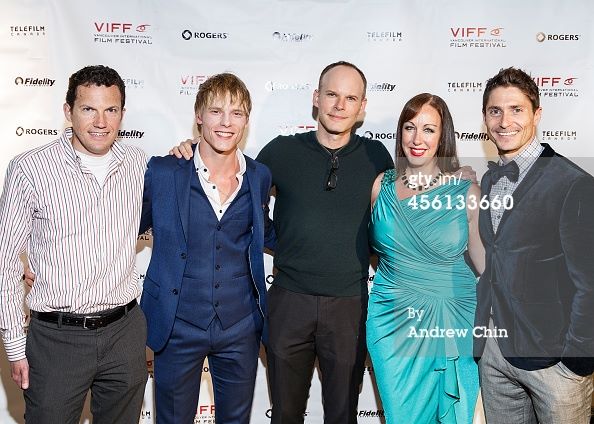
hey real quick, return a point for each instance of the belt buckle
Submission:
(85, 321)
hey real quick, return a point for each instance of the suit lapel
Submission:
(254, 184)
(182, 191)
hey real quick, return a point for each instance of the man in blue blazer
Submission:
(204, 291)
(537, 291)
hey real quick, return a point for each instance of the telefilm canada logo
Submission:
(20, 131)
(471, 136)
(190, 83)
(557, 86)
(34, 81)
(188, 34)
(384, 36)
(465, 86)
(552, 134)
(477, 37)
(133, 82)
(291, 37)
(272, 86)
(290, 129)
(27, 31)
(541, 37)
(122, 33)
(381, 86)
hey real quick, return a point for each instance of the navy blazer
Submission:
(166, 210)
(539, 275)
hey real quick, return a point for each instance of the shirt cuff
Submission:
(15, 348)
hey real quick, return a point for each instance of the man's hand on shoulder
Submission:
(19, 371)
(184, 149)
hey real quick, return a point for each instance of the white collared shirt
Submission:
(210, 188)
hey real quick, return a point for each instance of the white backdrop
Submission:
(165, 49)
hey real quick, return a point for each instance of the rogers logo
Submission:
(379, 135)
(542, 37)
(188, 35)
(35, 131)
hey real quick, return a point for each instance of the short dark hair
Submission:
(94, 75)
(343, 63)
(221, 85)
(512, 77)
(447, 158)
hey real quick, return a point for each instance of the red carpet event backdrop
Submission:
(164, 50)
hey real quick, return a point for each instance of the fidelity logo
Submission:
(122, 33)
(379, 135)
(381, 86)
(34, 82)
(542, 37)
(291, 37)
(189, 84)
(477, 37)
(557, 86)
(133, 83)
(379, 36)
(197, 35)
(35, 131)
(127, 134)
(295, 129)
(370, 413)
(469, 136)
(558, 135)
(465, 86)
(283, 86)
(27, 30)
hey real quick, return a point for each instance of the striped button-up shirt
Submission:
(80, 237)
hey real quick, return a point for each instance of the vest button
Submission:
(174, 291)
(218, 247)
(183, 256)
(217, 303)
(218, 228)
(217, 267)
(217, 285)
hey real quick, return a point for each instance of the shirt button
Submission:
(217, 267)
(214, 187)
(174, 291)
(217, 285)
(183, 256)
(218, 228)
(218, 247)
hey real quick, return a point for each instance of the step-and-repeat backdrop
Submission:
(164, 50)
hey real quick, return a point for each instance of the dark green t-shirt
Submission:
(322, 242)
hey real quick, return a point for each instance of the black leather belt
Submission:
(90, 322)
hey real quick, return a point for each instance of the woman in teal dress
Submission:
(421, 306)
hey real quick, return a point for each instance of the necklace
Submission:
(416, 186)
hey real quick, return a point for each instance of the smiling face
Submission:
(421, 135)
(223, 124)
(340, 101)
(96, 116)
(510, 120)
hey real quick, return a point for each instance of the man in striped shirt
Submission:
(74, 206)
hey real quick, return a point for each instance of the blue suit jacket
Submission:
(166, 210)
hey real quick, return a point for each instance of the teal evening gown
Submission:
(422, 376)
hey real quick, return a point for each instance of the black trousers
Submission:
(305, 327)
(65, 362)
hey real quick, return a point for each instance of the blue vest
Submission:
(217, 279)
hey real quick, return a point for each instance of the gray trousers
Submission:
(65, 362)
(511, 395)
